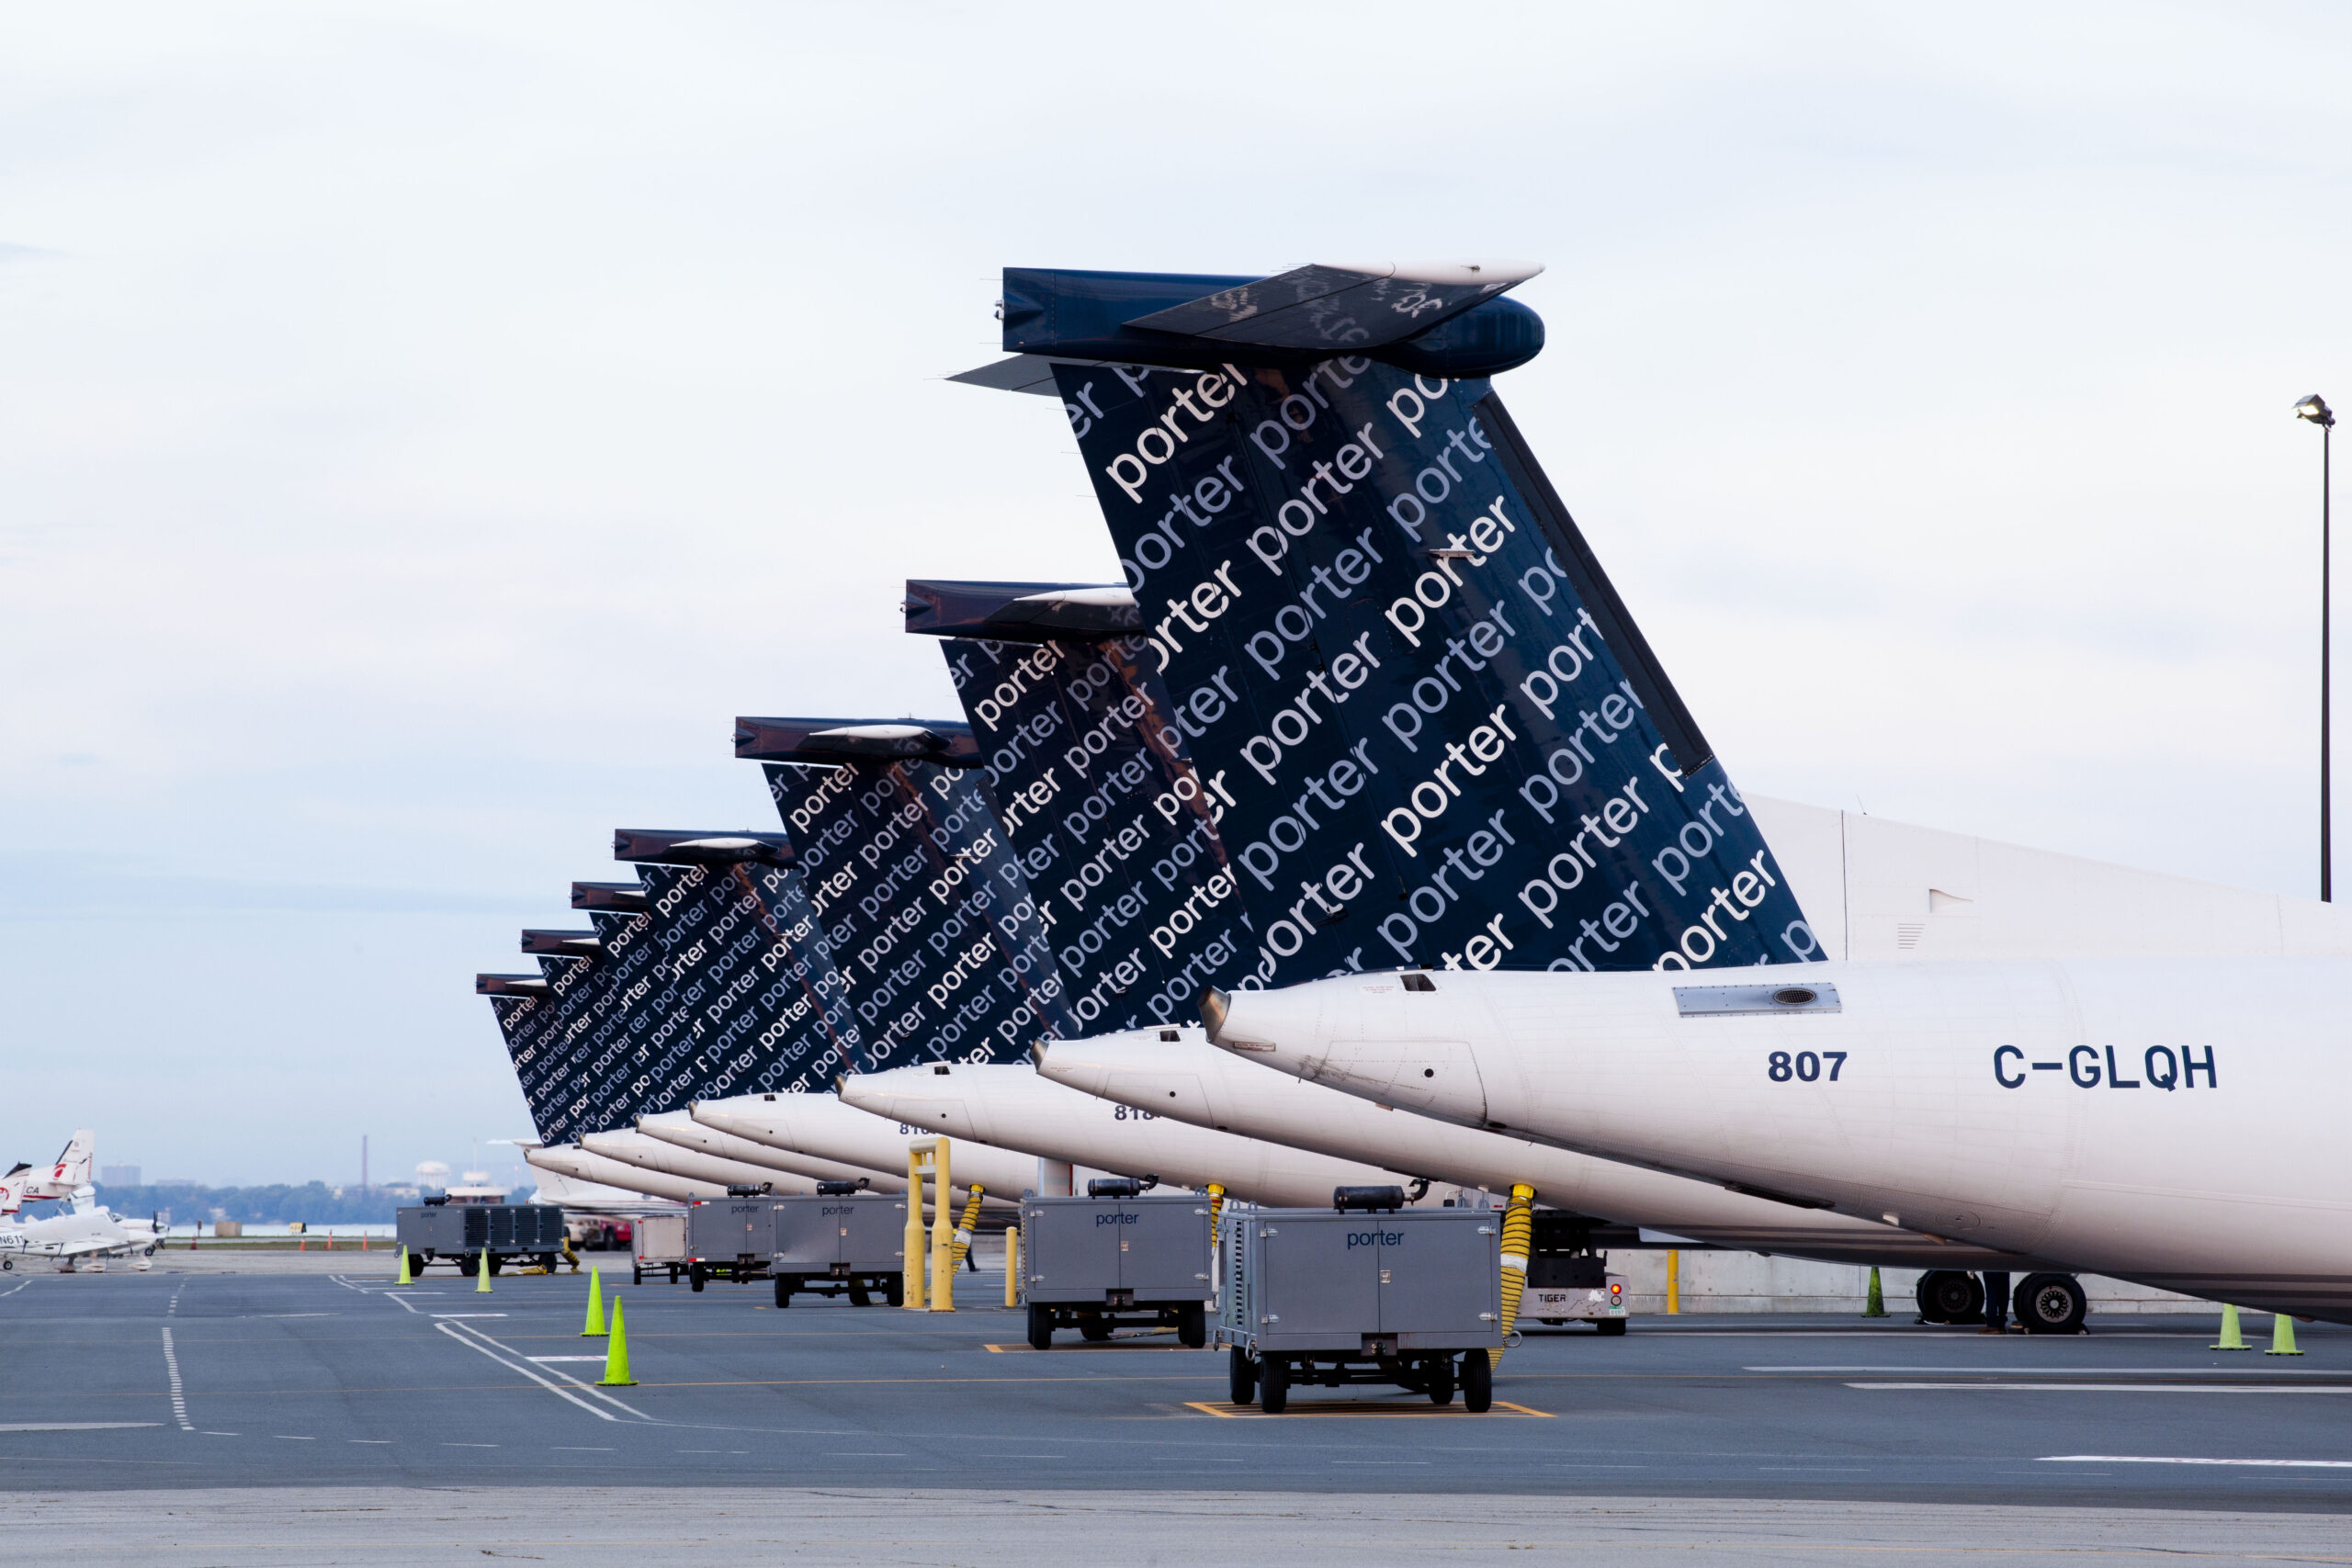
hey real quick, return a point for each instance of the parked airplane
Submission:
(682, 1130)
(88, 1233)
(62, 1178)
(2169, 1121)
(572, 1162)
(820, 1124)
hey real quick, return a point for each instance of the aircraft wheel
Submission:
(2049, 1303)
(1949, 1296)
(1274, 1386)
(1613, 1327)
(1477, 1381)
(1241, 1376)
(7, 1263)
(1041, 1327)
(1192, 1325)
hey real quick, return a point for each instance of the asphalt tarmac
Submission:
(171, 1380)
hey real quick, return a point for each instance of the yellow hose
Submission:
(1519, 1238)
(964, 1230)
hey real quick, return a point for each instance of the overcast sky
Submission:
(424, 427)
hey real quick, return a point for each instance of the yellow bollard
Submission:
(942, 1234)
(2233, 1337)
(617, 1353)
(1673, 1280)
(1012, 1267)
(594, 1329)
(911, 1247)
(406, 1278)
(2282, 1336)
(483, 1289)
(964, 1226)
(1518, 1239)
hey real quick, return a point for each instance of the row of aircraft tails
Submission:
(85, 1233)
(1359, 838)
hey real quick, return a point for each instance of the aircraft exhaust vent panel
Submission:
(1709, 1001)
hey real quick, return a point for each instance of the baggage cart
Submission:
(841, 1243)
(461, 1234)
(1115, 1256)
(1365, 1292)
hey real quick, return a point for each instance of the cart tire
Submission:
(1192, 1325)
(859, 1296)
(1041, 1327)
(784, 1283)
(1274, 1386)
(895, 1290)
(1613, 1327)
(1477, 1381)
(1440, 1375)
(697, 1275)
(636, 1274)
(1093, 1330)
(1241, 1376)
(496, 1263)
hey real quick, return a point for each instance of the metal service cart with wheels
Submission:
(460, 1234)
(1365, 1291)
(1116, 1257)
(730, 1237)
(841, 1241)
(659, 1247)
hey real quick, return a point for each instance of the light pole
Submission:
(2314, 408)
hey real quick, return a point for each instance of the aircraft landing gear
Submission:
(2049, 1303)
(1950, 1295)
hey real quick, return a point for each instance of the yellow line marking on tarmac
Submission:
(1229, 1412)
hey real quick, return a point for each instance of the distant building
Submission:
(118, 1174)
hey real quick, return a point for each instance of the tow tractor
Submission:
(1568, 1280)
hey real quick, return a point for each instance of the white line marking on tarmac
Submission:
(2139, 1459)
(2112, 1387)
(15, 1288)
(283, 1438)
(371, 1442)
(469, 1315)
(580, 1448)
(71, 1426)
(546, 1358)
(470, 1445)
(511, 1360)
(179, 1395)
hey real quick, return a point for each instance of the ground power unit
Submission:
(729, 1238)
(461, 1234)
(1115, 1256)
(837, 1244)
(1365, 1291)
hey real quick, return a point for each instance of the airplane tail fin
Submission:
(73, 1167)
(12, 1188)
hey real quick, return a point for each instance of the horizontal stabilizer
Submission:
(562, 944)
(1447, 321)
(627, 897)
(1339, 309)
(510, 986)
(1022, 373)
(674, 848)
(1021, 612)
(847, 741)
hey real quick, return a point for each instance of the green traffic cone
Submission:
(2282, 1336)
(617, 1353)
(2231, 1337)
(483, 1287)
(1876, 1305)
(406, 1278)
(596, 1328)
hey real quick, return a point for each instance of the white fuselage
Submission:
(1013, 1107)
(574, 1163)
(2171, 1121)
(819, 1124)
(83, 1233)
(1191, 1081)
(636, 1149)
(680, 1130)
